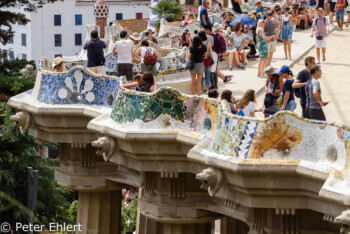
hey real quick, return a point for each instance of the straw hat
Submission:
(57, 61)
(270, 70)
(136, 36)
(217, 27)
(149, 31)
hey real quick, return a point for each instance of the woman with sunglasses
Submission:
(237, 41)
(262, 47)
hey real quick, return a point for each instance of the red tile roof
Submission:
(132, 25)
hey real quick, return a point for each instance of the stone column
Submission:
(203, 228)
(101, 12)
(100, 212)
(230, 225)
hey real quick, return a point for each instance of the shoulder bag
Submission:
(268, 101)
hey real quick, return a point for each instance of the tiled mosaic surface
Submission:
(165, 27)
(170, 40)
(77, 86)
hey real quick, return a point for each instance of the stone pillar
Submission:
(203, 228)
(101, 12)
(230, 225)
(100, 212)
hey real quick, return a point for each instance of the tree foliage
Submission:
(16, 76)
(17, 152)
(171, 10)
(129, 215)
(9, 17)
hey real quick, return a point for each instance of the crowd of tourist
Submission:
(223, 39)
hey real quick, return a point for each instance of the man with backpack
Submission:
(95, 54)
(219, 48)
(299, 84)
(321, 28)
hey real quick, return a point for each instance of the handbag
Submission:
(268, 100)
(208, 62)
(319, 37)
(190, 64)
(100, 60)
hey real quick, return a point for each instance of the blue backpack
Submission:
(240, 113)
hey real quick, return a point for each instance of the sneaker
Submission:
(285, 58)
(324, 59)
(227, 78)
(338, 29)
(319, 62)
(341, 29)
(290, 58)
(242, 67)
(230, 69)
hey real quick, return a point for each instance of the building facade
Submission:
(59, 29)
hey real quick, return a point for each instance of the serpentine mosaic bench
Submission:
(225, 139)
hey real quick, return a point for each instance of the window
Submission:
(138, 15)
(119, 16)
(12, 54)
(24, 39)
(78, 20)
(57, 20)
(78, 38)
(24, 56)
(11, 40)
(58, 39)
(58, 55)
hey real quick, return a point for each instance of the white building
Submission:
(59, 29)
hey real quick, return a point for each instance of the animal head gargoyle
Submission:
(106, 147)
(23, 121)
(211, 179)
(344, 219)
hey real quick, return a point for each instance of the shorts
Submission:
(100, 70)
(312, 3)
(316, 114)
(332, 6)
(291, 105)
(199, 68)
(321, 43)
(339, 15)
(271, 46)
(125, 69)
(149, 68)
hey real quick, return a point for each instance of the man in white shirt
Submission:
(124, 49)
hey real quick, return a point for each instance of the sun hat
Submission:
(135, 36)
(217, 27)
(253, 14)
(149, 31)
(270, 70)
(284, 69)
(57, 61)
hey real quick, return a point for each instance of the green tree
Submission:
(171, 10)
(8, 17)
(129, 215)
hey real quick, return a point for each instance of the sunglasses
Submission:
(241, 26)
(262, 21)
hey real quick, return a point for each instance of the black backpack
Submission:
(324, 20)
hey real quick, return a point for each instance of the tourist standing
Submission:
(237, 42)
(262, 47)
(247, 103)
(236, 6)
(299, 85)
(124, 49)
(95, 54)
(286, 33)
(186, 40)
(273, 87)
(314, 101)
(198, 52)
(207, 63)
(339, 16)
(203, 14)
(288, 100)
(321, 27)
(270, 31)
(144, 51)
(332, 9)
(150, 36)
(348, 11)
